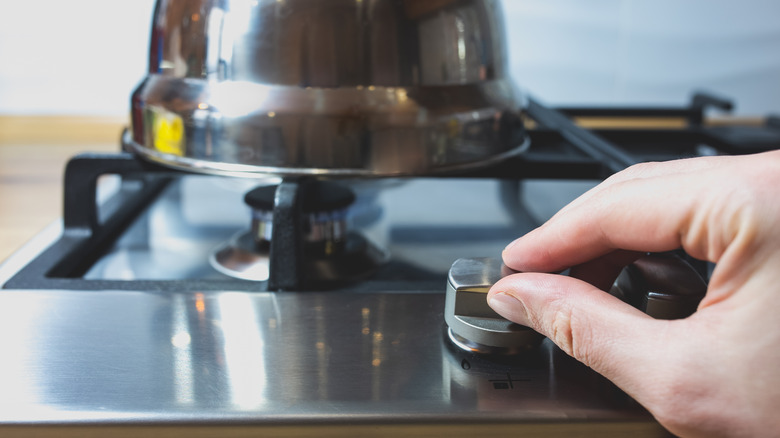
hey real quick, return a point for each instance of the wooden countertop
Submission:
(33, 153)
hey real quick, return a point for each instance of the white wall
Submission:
(626, 51)
(72, 56)
(85, 56)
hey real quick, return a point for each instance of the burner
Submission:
(332, 252)
(325, 207)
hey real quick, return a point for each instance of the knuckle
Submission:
(572, 327)
(569, 331)
(582, 341)
(560, 330)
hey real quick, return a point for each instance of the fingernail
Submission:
(509, 307)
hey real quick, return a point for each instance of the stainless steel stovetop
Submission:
(117, 323)
(336, 359)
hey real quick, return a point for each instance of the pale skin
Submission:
(715, 373)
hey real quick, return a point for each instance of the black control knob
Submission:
(662, 285)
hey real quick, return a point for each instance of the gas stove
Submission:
(170, 301)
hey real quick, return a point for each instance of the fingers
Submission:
(653, 170)
(633, 215)
(613, 338)
(649, 208)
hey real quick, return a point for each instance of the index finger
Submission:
(652, 211)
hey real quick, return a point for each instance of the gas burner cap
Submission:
(318, 196)
(324, 215)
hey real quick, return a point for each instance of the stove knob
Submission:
(473, 325)
(662, 285)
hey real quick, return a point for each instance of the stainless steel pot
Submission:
(326, 87)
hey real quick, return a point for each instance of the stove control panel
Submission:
(663, 286)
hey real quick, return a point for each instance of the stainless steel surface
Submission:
(337, 87)
(265, 359)
(372, 362)
(474, 326)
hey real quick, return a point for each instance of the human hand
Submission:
(715, 373)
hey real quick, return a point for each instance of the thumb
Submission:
(606, 334)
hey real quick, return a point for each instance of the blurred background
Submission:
(83, 57)
(67, 69)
